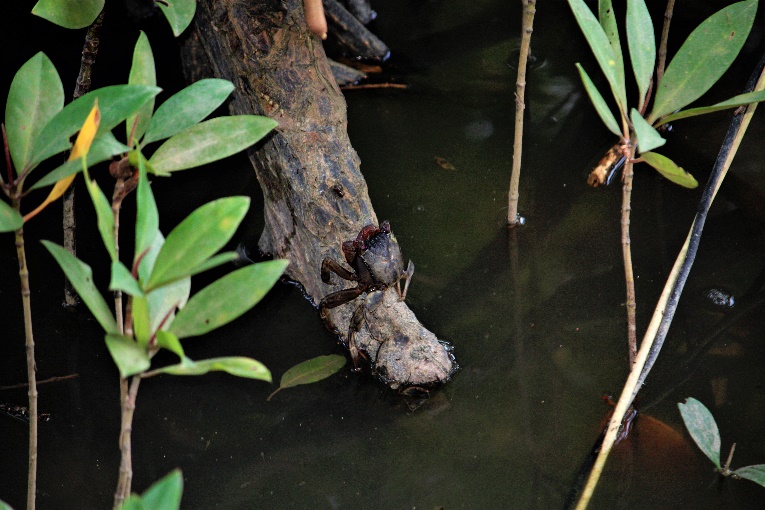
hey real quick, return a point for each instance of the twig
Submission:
(529, 9)
(402, 86)
(663, 43)
(89, 53)
(126, 462)
(629, 277)
(44, 381)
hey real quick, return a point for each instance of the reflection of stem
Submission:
(89, 52)
(629, 278)
(30, 349)
(663, 43)
(126, 461)
(520, 92)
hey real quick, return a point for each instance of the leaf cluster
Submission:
(699, 63)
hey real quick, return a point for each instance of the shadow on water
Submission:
(535, 315)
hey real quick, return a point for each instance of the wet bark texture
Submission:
(315, 195)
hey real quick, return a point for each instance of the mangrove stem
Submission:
(629, 278)
(529, 9)
(126, 429)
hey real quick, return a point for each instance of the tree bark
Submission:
(315, 195)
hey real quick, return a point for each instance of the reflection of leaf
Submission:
(702, 427)
(754, 473)
(129, 357)
(310, 371)
(703, 58)
(669, 169)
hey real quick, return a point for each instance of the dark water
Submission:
(538, 330)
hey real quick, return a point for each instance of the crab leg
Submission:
(408, 275)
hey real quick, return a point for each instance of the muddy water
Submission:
(536, 317)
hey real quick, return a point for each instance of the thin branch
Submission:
(44, 381)
(629, 278)
(663, 43)
(126, 429)
(529, 9)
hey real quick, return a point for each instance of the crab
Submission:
(376, 264)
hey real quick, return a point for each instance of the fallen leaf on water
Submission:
(443, 163)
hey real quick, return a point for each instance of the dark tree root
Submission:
(279, 70)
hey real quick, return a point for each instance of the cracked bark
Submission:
(315, 195)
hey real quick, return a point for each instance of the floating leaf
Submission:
(115, 102)
(734, 102)
(142, 72)
(210, 141)
(10, 219)
(179, 14)
(36, 95)
(310, 371)
(703, 58)
(702, 427)
(642, 45)
(187, 107)
(197, 238)
(669, 169)
(81, 277)
(103, 148)
(165, 494)
(600, 104)
(238, 366)
(71, 14)
(129, 357)
(601, 48)
(227, 298)
(648, 138)
(754, 473)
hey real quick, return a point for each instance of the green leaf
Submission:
(164, 300)
(147, 215)
(310, 371)
(669, 169)
(129, 357)
(238, 366)
(755, 473)
(142, 72)
(702, 427)
(642, 45)
(115, 102)
(123, 280)
(36, 95)
(197, 238)
(81, 277)
(103, 148)
(169, 341)
(703, 58)
(734, 102)
(141, 321)
(165, 494)
(608, 22)
(10, 219)
(227, 298)
(5, 506)
(133, 502)
(189, 106)
(648, 137)
(600, 104)
(104, 216)
(179, 14)
(601, 48)
(210, 141)
(71, 14)
(215, 261)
